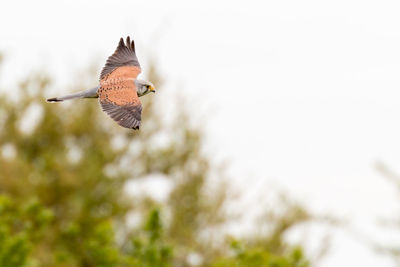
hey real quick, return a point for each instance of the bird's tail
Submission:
(90, 93)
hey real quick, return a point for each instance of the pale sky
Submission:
(299, 95)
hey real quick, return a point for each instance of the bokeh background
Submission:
(272, 139)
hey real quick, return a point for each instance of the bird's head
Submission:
(144, 87)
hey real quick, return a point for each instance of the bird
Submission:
(119, 89)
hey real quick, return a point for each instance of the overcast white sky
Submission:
(303, 95)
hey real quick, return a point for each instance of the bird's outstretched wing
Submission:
(117, 92)
(124, 55)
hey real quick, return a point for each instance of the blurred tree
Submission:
(260, 257)
(63, 174)
(392, 224)
(20, 226)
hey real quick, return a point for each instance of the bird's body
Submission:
(119, 90)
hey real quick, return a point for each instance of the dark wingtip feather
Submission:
(130, 44)
(120, 44)
(133, 46)
(54, 99)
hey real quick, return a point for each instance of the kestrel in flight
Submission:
(119, 90)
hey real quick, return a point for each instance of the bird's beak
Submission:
(152, 89)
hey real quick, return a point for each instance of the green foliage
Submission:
(20, 227)
(260, 257)
(151, 250)
(62, 189)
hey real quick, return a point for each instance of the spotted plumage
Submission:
(119, 90)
